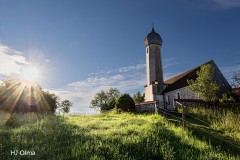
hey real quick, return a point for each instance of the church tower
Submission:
(154, 70)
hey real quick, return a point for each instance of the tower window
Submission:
(147, 49)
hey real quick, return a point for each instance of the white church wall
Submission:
(184, 94)
(149, 93)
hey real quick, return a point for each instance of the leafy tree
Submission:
(105, 100)
(138, 97)
(204, 85)
(125, 103)
(99, 100)
(65, 106)
(51, 99)
(227, 98)
(111, 94)
(236, 79)
(20, 96)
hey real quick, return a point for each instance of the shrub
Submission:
(125, 103)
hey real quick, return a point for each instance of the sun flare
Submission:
(30, 74)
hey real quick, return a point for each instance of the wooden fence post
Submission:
(155, 107)
(183, 116)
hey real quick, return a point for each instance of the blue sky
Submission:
(81, 47)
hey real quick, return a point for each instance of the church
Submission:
(165, 93)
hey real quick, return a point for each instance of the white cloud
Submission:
(169, 62)
(47, 60)
(126, 79)
(132, 68)
(228, 3)
(129, 79)
(213, 4)
(11, 61)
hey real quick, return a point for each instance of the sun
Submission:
(30, 74)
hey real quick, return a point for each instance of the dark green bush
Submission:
(125, 103)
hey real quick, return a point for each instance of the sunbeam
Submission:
(23, 96)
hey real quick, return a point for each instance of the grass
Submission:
(104, 136)
(225, 120)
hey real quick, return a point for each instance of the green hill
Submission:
(105, 136)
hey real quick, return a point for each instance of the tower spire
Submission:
(153, 27)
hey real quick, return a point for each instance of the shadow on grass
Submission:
(213, 137)
(54, 138)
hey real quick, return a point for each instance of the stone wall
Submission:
(150, 106)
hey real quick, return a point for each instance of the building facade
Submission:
(166, 92)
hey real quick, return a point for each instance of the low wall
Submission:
(150, 106)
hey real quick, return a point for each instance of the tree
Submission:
(112, 94)
(236, 85)
(204, 85)
(65, 106)
(51, 99)
(19, 96)
(125, 103)
(99, 100)
(236, 79)
(138, 97)
(105, 100)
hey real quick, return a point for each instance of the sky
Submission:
(82, 47)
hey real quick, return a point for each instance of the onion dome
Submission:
(153, 38)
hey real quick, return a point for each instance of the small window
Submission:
(168, 100)
(147, 49)
(178, 95)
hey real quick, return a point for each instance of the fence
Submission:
(185, 122)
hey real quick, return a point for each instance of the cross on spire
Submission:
(153, 27)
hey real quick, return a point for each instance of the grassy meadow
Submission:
(108, 136)
(221, 125)
(225, 121)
